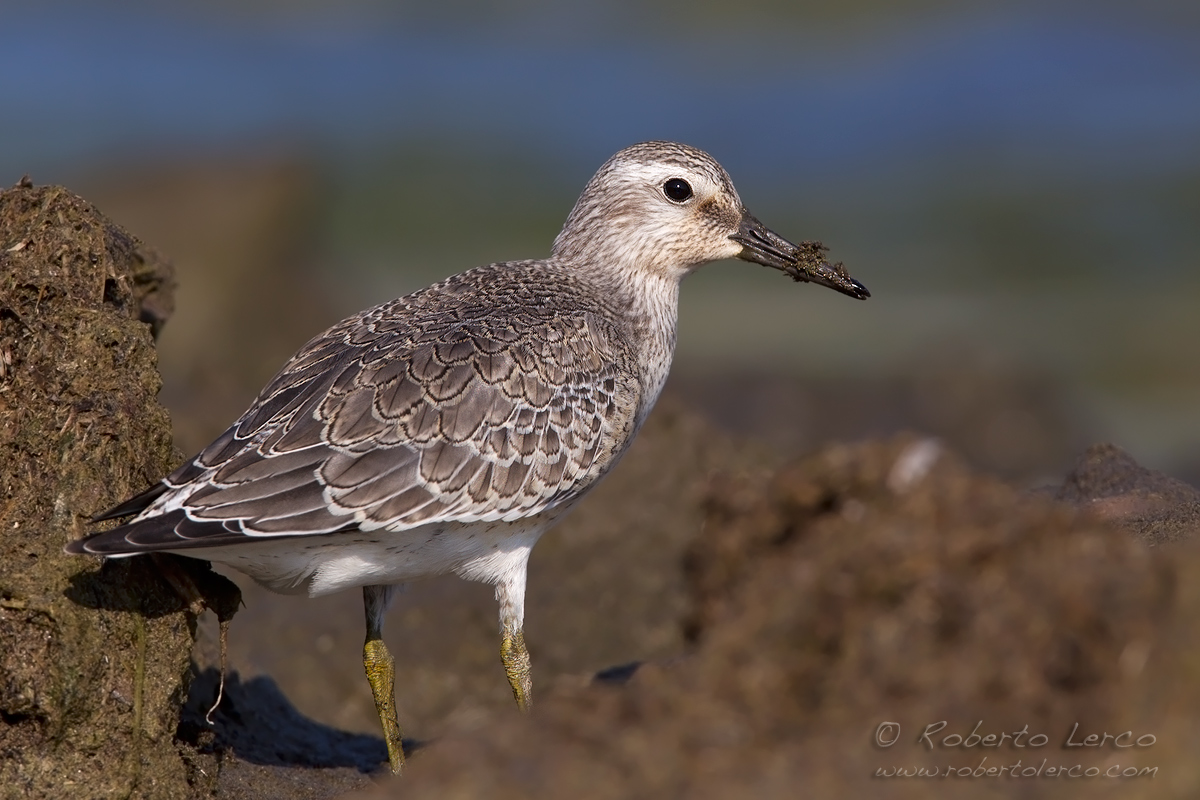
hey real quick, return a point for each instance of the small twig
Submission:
(223, 637)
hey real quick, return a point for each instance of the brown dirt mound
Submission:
(89, 692)
(846, 605)
(1154, 507)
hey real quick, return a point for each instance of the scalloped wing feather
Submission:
(408, 414)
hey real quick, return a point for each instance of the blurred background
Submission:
(1018, 184)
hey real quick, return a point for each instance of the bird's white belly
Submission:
(488, 552)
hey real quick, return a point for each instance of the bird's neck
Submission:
(650, 302)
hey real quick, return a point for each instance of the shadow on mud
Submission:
(256, 723)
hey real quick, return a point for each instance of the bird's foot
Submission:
(517, 666)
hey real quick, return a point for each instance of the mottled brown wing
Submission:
(373, 425)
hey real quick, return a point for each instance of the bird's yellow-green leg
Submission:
(517, 665)
(510, 593)
(381, 672)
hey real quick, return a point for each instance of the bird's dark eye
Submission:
(677, 189)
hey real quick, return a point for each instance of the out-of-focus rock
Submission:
(844, 607)
(1153, 506)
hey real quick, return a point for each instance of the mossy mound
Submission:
(93, 662)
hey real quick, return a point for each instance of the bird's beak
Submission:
(804, 262)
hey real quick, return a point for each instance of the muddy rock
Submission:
(1154, 507)
(846, 606)
(92, 661)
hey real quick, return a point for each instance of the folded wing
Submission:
(386, 422)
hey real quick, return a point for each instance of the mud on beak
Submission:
(804, 262)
